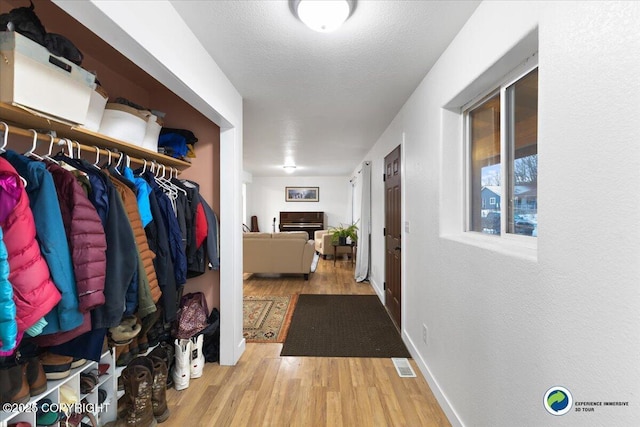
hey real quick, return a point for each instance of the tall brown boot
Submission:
(165, 352)
(138, 386)
(159, 395)
(35, 376)
(7, 388)
(18, 376)
(27, 353)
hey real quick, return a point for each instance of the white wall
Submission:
(506, 322)
(265, 197)
(176, 59)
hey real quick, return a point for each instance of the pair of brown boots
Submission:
(144, 403)
(19, 380)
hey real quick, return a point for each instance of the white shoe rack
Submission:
(104, 413)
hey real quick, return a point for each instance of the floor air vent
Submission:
(403, 367)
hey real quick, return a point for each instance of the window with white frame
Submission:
(502, 146)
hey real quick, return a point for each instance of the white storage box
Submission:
(97, 103)
(150, 140)
(30, 76)
(125, 123)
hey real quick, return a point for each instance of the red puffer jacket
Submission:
(33, 291)
(88, 250)
(86, 238)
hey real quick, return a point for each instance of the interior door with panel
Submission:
(392, 238)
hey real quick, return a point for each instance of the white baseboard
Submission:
(242, 346)
(232, 359)
(377, 288)
(448, 410)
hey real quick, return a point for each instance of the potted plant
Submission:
(340, 234)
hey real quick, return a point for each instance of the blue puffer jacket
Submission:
(8, 325)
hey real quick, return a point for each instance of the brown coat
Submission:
(148, 283)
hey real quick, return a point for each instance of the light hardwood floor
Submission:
(264, 389)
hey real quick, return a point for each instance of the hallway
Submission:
(264, 389)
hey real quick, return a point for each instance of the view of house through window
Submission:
(487, 188)
(484, 128)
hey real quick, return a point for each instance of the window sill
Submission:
(523, 247)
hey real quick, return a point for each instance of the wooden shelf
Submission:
(20, 117)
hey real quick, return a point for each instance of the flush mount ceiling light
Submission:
(289, 168)
(323, 15)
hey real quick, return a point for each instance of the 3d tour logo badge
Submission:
(558, 400)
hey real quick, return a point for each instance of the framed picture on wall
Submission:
(302, 194)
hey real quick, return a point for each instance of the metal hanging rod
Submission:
(29, 133)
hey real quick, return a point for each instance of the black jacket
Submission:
(158, 239)
(122, 258)
(195, 255)
(212, 236)
(176, 243)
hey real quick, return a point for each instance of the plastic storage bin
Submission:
(98, 102)
(125, 123)
(32, 77)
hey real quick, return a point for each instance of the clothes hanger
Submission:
(69, 146)
(171, 189)
(165, 180)
(108, 164)
(175, 188)
(164, 184)
(159, 178)
(95, 165)
(144, 167)
(4, 144)
(66, 165)
(48, 155)
(176, 177)
(120, 157)
(155, 169)
(5, 137)
(30, 153)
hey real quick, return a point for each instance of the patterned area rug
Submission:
(267, 318)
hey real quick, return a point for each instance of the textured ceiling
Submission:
(322, 99)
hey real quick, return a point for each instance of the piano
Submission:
(302, 221)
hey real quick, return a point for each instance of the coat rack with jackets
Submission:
(84, 244)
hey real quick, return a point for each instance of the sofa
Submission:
(324, 247)
(285, 252)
